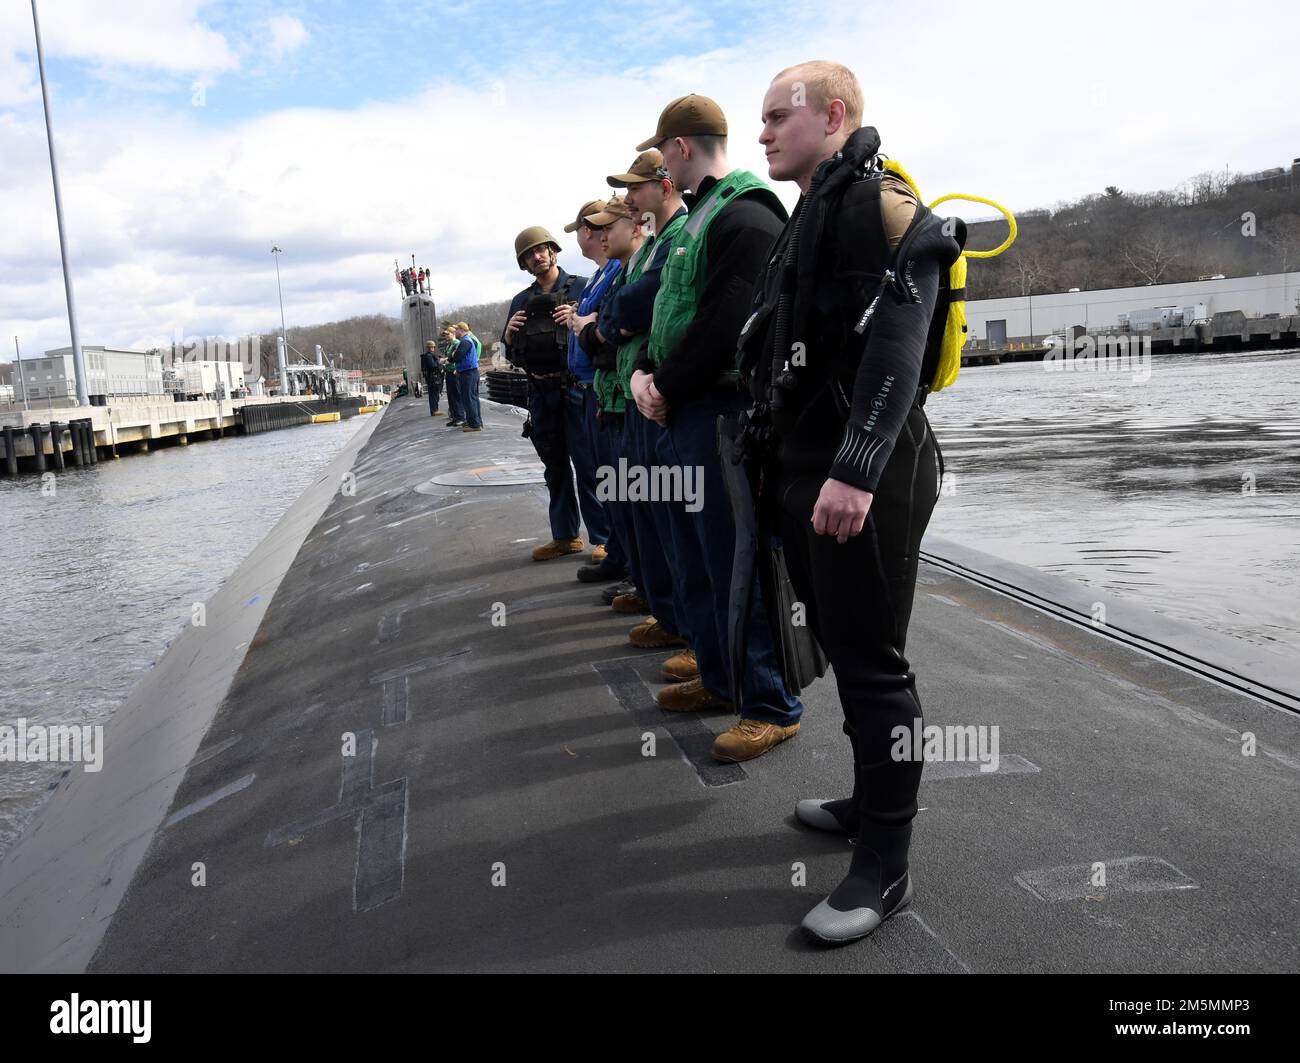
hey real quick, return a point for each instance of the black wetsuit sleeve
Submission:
(736, 251)
(887, 378)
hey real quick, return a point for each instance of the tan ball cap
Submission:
(649, 166)
(686, 116)
(616, 208)
(590, 207)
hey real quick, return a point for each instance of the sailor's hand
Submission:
(652, 405)
(841, 510)
(564, 314)
(516, 322)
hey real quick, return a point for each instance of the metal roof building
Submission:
(1023, 317)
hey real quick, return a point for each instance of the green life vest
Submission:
(683, 276)
(610, 398)
(614, 386)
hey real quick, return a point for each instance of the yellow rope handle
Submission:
(894, 166)
(1011, 222)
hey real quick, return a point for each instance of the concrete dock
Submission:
(399, 744)
(136, 424)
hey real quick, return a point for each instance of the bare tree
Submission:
(1032, 270)
(1281, 235)
(1150, 253)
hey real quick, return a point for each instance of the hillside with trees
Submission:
(1112, 239)
(1117, 239)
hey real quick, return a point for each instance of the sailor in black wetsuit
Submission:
(850, 476)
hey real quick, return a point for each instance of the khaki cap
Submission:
(649, 166)
(530, 238)
(616, 208)
(686, 116)
(590, 207)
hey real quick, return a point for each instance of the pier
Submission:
(1226, 333)
(53, 439)
(376, 776)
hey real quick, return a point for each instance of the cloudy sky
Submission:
(192, 135)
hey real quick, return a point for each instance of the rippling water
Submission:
(101, 576)
(1181, 492)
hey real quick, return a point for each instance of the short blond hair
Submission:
(824, 82)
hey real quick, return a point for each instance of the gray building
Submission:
(112, 371)
(996, 322)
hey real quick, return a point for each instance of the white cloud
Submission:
(287, 35)
(143, 35)
(171, 219)
(155, 34)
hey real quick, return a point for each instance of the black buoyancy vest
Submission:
(829, 280)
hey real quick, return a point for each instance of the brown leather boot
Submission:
(557, 548)
(653, 637)
(749, 739)
(681, 668)
(598, 555)
(688, 696)
(630, 604)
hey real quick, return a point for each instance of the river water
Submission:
(105, 572)
(1180, 491)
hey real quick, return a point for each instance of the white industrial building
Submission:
(112, 371)
(997, 322)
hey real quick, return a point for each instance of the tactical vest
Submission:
(543, 344)
(682, 281)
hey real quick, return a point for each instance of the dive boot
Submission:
(840, 815)
(877, 886)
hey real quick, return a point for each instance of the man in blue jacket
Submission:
(467, 352)
(609, 561)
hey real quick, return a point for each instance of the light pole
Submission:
(78, 359)
(22, 380)
(284, 339)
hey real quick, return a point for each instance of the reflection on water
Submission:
(101, 576)
(1181, 492)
